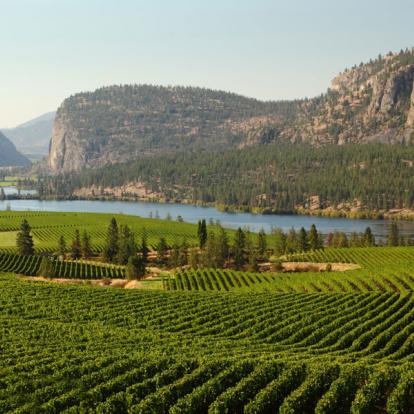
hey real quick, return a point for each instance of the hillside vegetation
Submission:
(373, 102)
(355, 180)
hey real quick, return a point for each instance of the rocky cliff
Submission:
(373, 102)
(9, 156)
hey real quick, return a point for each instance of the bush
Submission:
(47, 268)
(135, 268)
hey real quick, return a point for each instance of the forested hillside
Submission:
(274, 178)
(373, 102)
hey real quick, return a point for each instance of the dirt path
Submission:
(153, 273)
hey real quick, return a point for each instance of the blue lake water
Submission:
(192, 214)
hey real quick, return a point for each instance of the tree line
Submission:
(271, 178)
(215, 249)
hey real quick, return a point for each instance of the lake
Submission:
(192, 214)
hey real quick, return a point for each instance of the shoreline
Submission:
(393, 214)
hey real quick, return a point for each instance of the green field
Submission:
(47, 227)
(208, 340)
(383, 269)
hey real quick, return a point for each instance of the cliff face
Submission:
(373, 102)
(9, 156)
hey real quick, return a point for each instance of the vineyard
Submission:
(47, 227)
(205, 340)
(383, 269)
(29, 266)
(81, 349)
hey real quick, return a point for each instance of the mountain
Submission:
(32, 138)
(372, 102)
(9, 156)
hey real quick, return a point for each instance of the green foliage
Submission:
(393, 238)
(127, 245)
(86, 248)
(154, 351)
(111, 249)
(24, 240)
(30, 265)
(239, 244)
(76, 250)
(62, 246)
(162, 250)
(46, 268)
(379, 176)
(202, 233)
(135, 268)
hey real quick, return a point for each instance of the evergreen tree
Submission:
(280, 242)
(162, 250)
(111, 248)
(251, 253)
(46, 268)
(393, 235)
(62, 246)
(319, 244)
(86, 245)
(202, 233)
(292, 241)
(222, 247)
(303, 240)
(76, 250)
(209, 255)
(174, 259)
(127, 245)
(340, 239)
(262, 243)
(144, 246)
(239, 243)
(24, 240)
(313, 238)
(135, 268)
(183, 254)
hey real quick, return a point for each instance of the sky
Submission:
(267, 49)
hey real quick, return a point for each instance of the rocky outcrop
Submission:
(373, 102)
(66, 152)
(410, 115)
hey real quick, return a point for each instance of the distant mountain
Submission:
(32, 138)
(372, 102)
(9, 156)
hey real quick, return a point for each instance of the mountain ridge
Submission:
(372, 102)
(32, 138)
(9, 156)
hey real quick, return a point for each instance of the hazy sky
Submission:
(268, 49)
